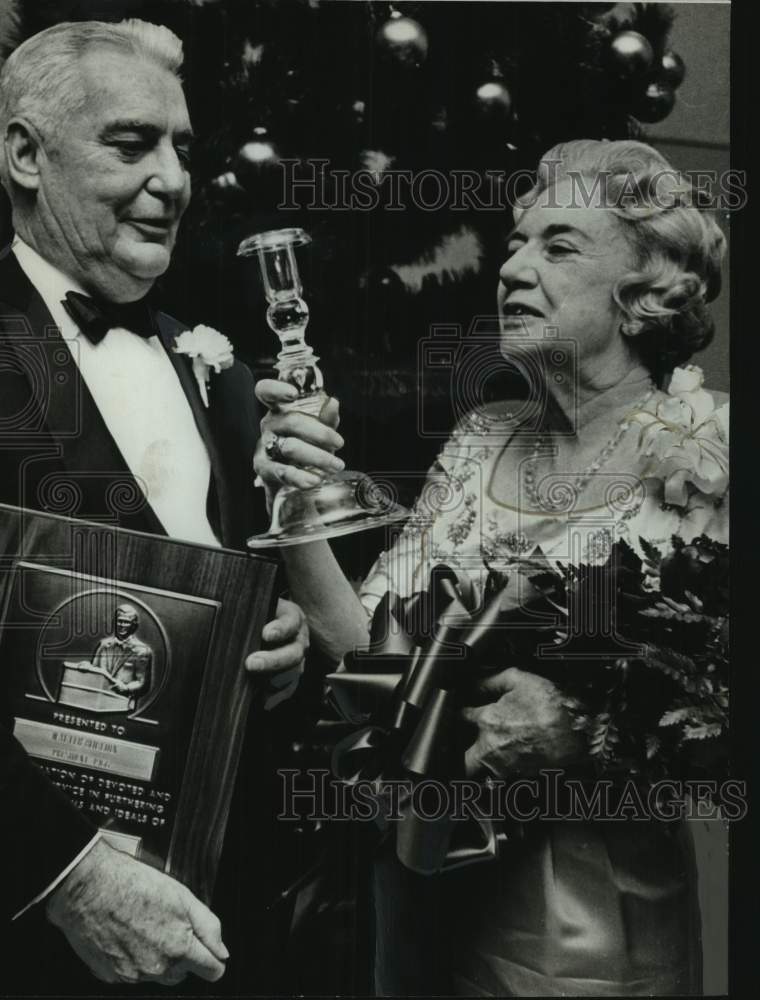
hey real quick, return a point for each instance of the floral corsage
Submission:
(208, 349)
(686, 436)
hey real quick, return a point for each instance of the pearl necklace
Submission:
(529, 476)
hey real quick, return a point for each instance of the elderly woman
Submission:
(608, 271)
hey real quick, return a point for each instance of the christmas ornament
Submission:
(673, 69)
(631, 54)
(256, 156)
(656, 104)
(404, 40)
(494, 100)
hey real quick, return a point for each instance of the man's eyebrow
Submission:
(144, 129)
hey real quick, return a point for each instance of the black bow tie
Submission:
(95, 318)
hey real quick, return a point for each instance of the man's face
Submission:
(114, 185)
(124, 626)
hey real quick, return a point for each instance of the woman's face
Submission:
(561, 268)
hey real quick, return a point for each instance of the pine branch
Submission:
(603, 738)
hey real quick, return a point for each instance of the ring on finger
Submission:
(273, 448)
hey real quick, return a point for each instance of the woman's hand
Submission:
(304, 444)
(525, 728)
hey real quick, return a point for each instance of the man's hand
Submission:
(281, 665)
(526, 729)
(130, 923)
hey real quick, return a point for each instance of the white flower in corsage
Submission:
(686, 437)
(208, 349)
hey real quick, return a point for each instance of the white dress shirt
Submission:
(143, 405)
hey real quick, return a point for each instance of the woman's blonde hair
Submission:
(678, 244)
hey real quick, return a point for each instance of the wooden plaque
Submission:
(123, 655)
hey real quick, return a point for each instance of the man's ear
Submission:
(23, 148)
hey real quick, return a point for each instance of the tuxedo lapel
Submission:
(97, 471)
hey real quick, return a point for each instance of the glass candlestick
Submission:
(343, 502)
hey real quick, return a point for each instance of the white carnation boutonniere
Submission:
(208, 349)
(685, 437)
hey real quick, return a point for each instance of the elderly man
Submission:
(95, 162)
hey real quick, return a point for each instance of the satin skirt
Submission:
(570, 909)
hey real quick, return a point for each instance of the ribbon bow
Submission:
(404, 693)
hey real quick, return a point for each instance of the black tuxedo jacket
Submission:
(56, 454)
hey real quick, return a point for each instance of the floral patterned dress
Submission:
(569, 908)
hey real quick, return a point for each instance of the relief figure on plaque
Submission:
(120, 669)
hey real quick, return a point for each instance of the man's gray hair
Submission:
(127, 611)
(40, 81)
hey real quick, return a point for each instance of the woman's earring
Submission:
(630, 327)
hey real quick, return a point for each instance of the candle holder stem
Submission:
(344, 502)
